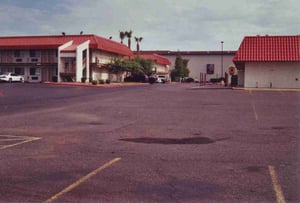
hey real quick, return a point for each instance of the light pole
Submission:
(222, 58)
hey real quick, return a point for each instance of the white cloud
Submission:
(164, 24)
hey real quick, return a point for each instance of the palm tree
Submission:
(138, 40)
(129, 35)
(122, 36)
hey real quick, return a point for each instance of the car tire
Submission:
(10, 80)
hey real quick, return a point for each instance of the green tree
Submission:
(181, 68)
(129, 35)
(147, 65)
(138, 40)
(119, 66)
(122, 36)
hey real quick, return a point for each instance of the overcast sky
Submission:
(184, 25)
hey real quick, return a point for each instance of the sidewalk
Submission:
(111, 85)
(266, 89)
(211, 86)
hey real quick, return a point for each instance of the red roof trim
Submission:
(157, 58)
(54, 41)
(268, 48)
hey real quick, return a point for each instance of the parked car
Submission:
(162, 79)
(137, 78)
(11, 77)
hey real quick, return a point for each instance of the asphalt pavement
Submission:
(153, 143)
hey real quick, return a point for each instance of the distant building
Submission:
(161, 64)
(65, 57)
(205, 62)
(269, 62)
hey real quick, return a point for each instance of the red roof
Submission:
(53, 42)
(156, 58)
(269, 48)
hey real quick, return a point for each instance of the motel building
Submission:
(70, 58)
(161, 65)
(203, 65)
(269, 62)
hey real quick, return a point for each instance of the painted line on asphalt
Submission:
(82, 180)
(254, 111)
(276, 186)
(21, 139)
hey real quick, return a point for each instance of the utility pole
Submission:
(222, 42)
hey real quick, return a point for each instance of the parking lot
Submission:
(155, 143)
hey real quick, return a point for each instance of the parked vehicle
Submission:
(137, 78)
(162, 79)
(11, 77)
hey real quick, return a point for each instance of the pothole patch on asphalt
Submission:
(95, 123)
(254, 168)
(151, 140)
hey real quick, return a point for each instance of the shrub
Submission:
(215, 80)
(94, 82)
(189, 80)
(101, 82)
(107, 81)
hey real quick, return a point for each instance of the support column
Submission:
(59, 61)
(79, 61)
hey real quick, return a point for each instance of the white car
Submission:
(11, 77)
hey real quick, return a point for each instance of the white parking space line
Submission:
(277, 188)
(254, 111)
(82, 180)
(15, 140)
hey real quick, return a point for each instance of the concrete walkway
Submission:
(111, 85)
(267, 89)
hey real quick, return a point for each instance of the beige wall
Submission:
(197, 64)
(276, 74)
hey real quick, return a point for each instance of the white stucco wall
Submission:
(79, 61)
(103, 57)
(275, 74)
(197, 64)
(59, 62)
(161, 68)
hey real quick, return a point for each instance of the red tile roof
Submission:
(156, 58)
(53, 42)
(269, 48)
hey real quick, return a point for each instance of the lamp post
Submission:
(222, 42)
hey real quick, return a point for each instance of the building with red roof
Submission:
(67, 57)
(199, 61)
(269, 61)
(161, 64)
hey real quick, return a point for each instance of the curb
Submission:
(266, 89)
(64, 84)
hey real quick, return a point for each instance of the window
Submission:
(34, 53)
(19, 71)
(17, 53)
(32, 71)
(35, 71)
